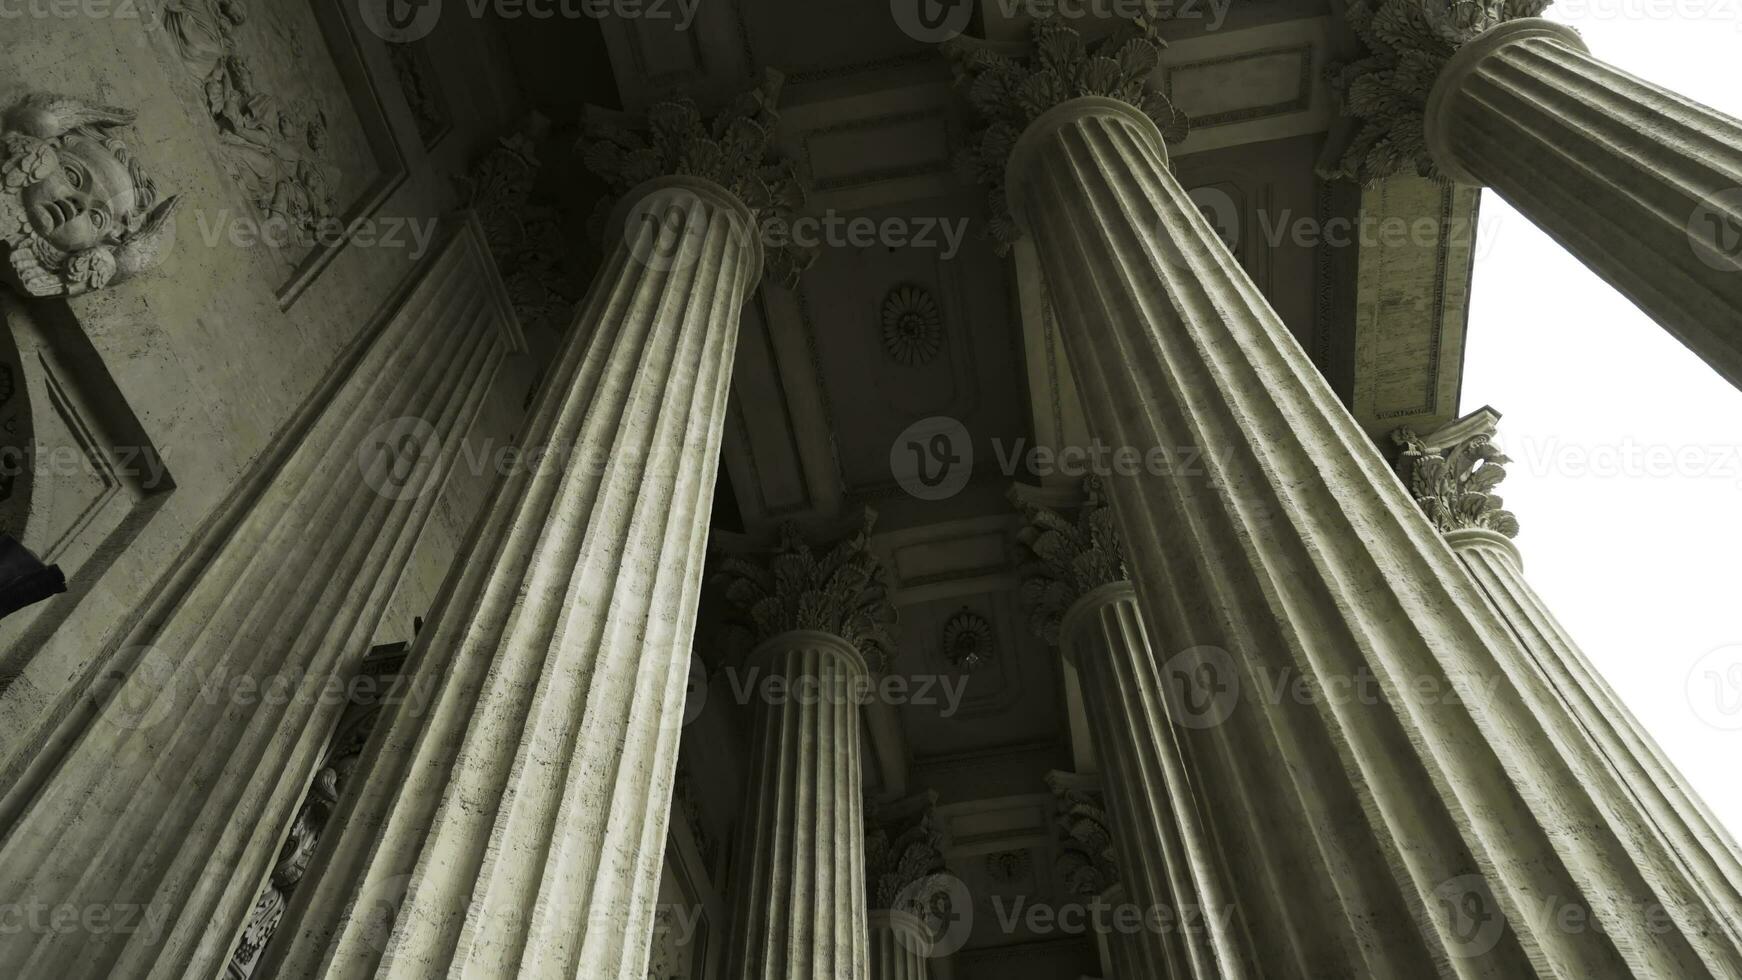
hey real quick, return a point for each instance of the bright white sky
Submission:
(1644, 569)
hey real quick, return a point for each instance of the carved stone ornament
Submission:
(734, 149)
(1009, 92)
(78, 211)
(525, 239)
(1408, 42)
(843, 592)
(904, 846)
(1453, 480)
(1085, 863)
(275, 148)
(967, 640)
(913, 327)
(1068, 557)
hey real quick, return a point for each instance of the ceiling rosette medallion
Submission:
(913, 326)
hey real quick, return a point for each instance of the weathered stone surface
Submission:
(1298, 557)
(514, 821)
(174, 795)
(1642, 185)
(801, 883)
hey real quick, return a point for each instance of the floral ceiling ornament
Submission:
(967, 641)
(1408, 42)
(1454, 483)
(843, 591)
(913, 327)
(733, 149)
(1069, 557)
(1009, 92)
(78, 211)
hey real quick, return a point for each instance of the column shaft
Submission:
(514, 820)
(1642, 185)
(1358, 833)
(168, 807)
(899, 942)
(1166, 857)
(801, 875)
(1680, 818)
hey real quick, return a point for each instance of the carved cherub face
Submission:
(77, 211)
(87, 199)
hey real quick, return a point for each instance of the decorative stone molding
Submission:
(913, 327)
(1009, 92)
(843, 592)
(1070, 558)
(1409, 43)
(525, 239)
(904, 846)
(967, 640)
(78, 211)
(1452, 472)
(1085, 863)
(733, 149)
(382, 666)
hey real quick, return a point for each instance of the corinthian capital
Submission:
(733, 148)
(1010, 91)
(904, 849)
(1452, 472)
(842, 591)
(1068, 557)
(1085, 862)
(1408, 43)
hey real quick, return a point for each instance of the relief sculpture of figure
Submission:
(78, 211)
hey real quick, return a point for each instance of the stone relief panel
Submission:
(294, 121)
(78, 210)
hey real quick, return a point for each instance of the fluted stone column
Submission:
(1452, 473)
(1381, 767)
(904, 852)
(162, 810)
(1077, 596)
(815, 626)
(1642, 185)
(514, 821)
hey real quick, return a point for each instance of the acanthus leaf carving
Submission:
(1453, 480)
(1408, 43)
(1008, 92)
(842, 591)
(1085, 862)
(525, 239)
(733, 148)
(1068, 556)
